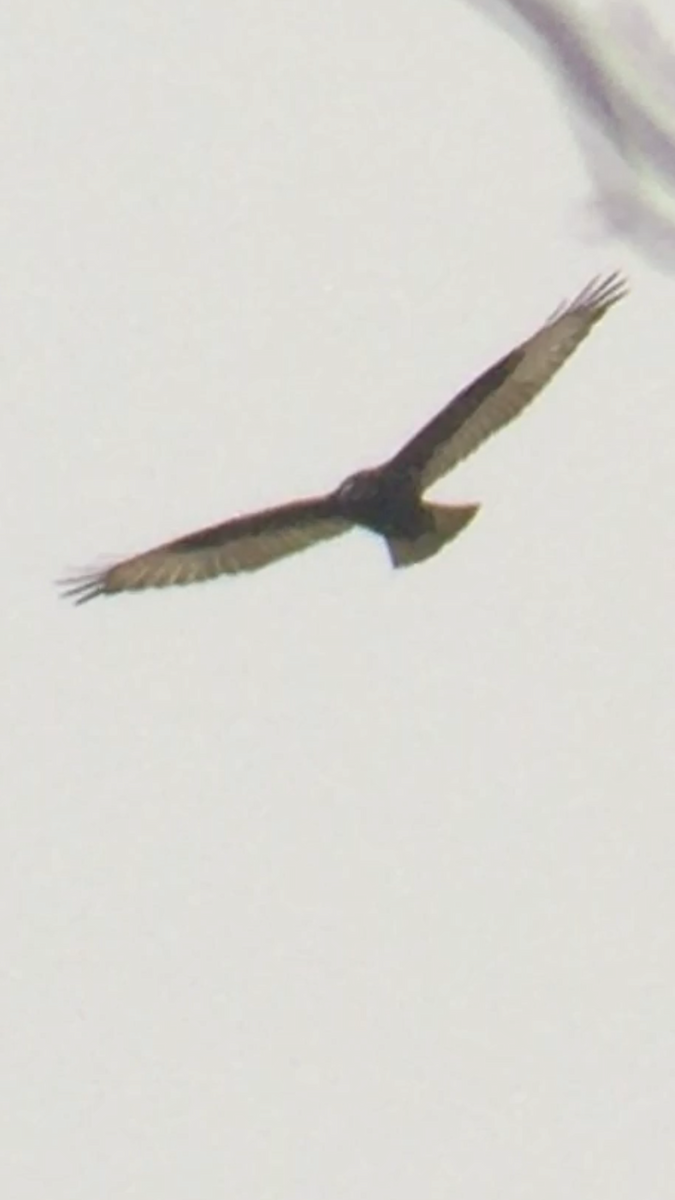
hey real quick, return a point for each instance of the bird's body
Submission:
(386, 500)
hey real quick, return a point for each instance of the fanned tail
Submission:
(449, 521)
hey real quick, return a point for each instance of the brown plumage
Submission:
(388, 499)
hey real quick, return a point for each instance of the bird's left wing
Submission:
(242, 544)
(502, 392)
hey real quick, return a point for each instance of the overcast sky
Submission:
(329, 882)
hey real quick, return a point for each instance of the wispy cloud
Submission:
(619, 74)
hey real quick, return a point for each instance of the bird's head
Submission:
(358, 489)
(371, 498)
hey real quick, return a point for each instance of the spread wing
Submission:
(501, 393)
(242, 544)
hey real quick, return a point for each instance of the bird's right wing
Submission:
(503, 391)
(242, 544)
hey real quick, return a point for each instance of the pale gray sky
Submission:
(328, 883)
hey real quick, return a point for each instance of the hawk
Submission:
(388, 499)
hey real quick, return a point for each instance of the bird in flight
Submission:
(387, 499)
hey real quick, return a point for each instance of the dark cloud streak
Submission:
(621, 80)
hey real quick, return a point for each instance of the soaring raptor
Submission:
(386, 499)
